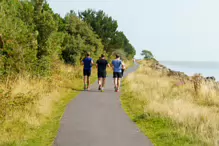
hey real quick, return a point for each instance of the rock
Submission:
(169, 72)
(212, 78)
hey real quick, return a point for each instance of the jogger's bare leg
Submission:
(115, 82)
(118, 83)
(88, 82)
(85, 81)
(103, 82)
(99, 81)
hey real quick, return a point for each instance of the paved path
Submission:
(97, 119)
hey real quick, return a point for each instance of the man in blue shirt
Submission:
(117, 65)
(87, 62)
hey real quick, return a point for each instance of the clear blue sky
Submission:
(171, 29)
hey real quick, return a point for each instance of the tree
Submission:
(147, 54)
(20, 47)
(79, 39)
(119, 52)
(34, 37)
(130, 51)
(106, 28)
(1, 42)
(102, 24)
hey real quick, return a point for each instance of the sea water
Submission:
(190, 68)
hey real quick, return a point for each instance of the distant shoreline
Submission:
(189, 68)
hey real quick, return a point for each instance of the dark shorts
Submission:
(117, 75)
(101, 74)
(87, 73)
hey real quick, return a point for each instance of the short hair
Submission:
(102, 55)
(117, 56)
(88, 54)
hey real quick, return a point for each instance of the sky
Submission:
(173, 30)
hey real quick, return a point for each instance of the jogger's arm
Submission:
(112, 65)
(82, 62)
(123, 65)
(97, 64)
(108, 64)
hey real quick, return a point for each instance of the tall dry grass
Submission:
(27, 102)
(194, 114)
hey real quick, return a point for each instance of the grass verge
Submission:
(168, 115)
(160, 130)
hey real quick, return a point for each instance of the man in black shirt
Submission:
(102, 63)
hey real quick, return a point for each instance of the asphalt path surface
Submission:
(96, 118)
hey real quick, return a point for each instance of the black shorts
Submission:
(87, 73)
(101, 74)
(117, 75)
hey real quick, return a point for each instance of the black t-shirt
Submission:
(102, 63)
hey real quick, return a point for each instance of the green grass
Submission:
(160, 130)
(46, 135)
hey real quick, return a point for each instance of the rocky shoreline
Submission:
(180, 75)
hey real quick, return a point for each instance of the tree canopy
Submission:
(107, 29)
(33, 37)
(147, 54)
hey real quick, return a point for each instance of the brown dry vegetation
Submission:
(193, 107)
(27, 102)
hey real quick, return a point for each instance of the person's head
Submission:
(88, 54)
(117, 56)
(102, 56)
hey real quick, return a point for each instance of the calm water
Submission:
(190, 68)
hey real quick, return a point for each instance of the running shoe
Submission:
(116, 89)
(99, 88)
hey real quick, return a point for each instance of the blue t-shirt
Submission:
(87, 63)
(117, 64)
